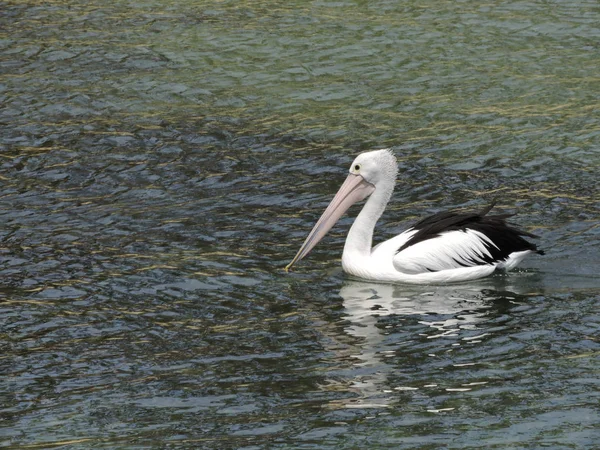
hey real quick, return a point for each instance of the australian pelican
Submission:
(448, 246)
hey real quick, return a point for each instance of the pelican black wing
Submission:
(506, 238)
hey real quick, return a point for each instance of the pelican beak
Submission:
(354, 189)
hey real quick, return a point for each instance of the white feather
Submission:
(450, 250)
(513, 260)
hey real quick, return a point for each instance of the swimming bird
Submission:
(447, 247)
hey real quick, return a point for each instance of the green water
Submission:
(161, 162)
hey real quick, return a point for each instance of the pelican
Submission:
(447, 247)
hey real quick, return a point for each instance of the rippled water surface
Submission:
(162, 161)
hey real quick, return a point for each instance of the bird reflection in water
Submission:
(395, 326)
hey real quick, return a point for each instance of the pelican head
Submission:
(369, 172)
(376, 168)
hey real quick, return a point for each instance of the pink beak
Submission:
(354, 189)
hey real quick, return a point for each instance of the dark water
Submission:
(161, 162)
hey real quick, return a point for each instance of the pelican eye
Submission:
(356, 167)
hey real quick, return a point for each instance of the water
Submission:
(161, 162)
